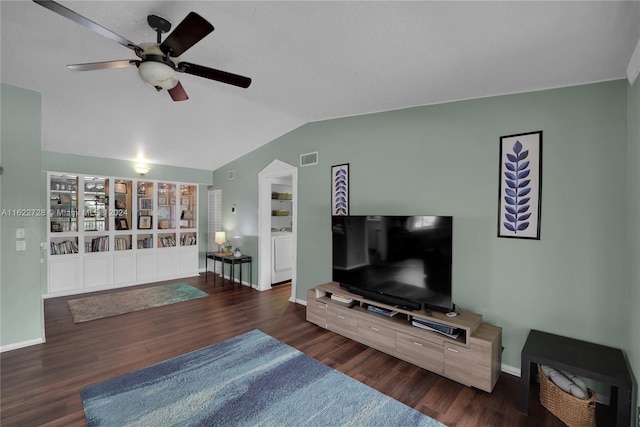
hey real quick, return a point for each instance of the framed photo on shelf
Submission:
(162, 200)
(145, 222)
(172, 201)
(120, 187)
(145, 204)
(120, 204)
(122, 224)
(184, 201)
(65, 199)
(164, 212)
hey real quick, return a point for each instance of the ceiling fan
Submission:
(158, 63)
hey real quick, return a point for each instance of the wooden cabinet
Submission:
(472, 358)
(108, 232)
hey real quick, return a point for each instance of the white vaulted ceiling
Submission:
(309, 61)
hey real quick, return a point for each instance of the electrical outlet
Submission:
(21, 233)
(21, 245)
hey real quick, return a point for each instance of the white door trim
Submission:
(273, 174)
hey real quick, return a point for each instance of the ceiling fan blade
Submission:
(91, 66)
(190, 31)
(210, 73)
(70, 14)
(178, 93)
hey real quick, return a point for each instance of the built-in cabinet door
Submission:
(65, 274)
(188, 263)
(167, 262)
(146, 266)
(124, 268)
(98, 270)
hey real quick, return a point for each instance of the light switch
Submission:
(20, 233)
(21, 245)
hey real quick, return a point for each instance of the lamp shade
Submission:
(158, 74)
(219, 237)
(237, 241)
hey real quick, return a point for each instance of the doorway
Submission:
(276, 173)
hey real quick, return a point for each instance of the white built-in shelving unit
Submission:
(108, 232)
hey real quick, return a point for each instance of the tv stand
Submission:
(472, 358)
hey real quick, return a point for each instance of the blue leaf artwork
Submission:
(340, 193)
(517, 187)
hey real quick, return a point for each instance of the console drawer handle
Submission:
(418, 344)
(340, 317)
(374, 329)
(452, 349)
(321, 306)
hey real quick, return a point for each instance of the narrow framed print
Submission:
(340, 189)
(519, 199)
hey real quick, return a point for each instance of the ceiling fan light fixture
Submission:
(158, 74)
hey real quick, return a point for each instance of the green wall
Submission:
(443, 159)
(633, 227)
(20, 302)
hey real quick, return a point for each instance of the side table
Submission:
(598, 362)
(232, 261)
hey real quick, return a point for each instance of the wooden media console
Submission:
(472, 358)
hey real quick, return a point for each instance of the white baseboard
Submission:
(512, 370)
(22, 344)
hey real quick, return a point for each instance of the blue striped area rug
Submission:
(249, 380)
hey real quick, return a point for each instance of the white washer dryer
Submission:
(281, 256)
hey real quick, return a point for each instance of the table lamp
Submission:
(219, 238)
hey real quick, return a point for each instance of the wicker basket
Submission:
(572, 411)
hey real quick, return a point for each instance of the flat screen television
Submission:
(403, 261)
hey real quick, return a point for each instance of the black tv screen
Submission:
(398, 260)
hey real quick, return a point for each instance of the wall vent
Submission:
(231, 174)
(309, 159)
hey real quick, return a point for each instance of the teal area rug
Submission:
(249, 380)
(113, 304)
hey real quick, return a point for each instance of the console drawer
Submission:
(423, 353)
(341, 320)
(377, 336)
(316, 310)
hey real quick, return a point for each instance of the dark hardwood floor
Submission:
(41, 383)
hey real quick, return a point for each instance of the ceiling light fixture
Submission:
(158, 74)
(141, 168)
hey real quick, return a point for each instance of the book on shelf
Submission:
(383, 311)
(341, 298)
(63, 248)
